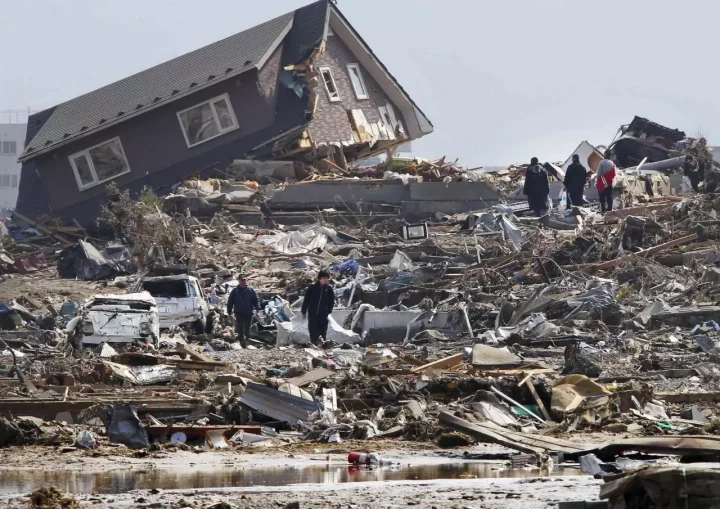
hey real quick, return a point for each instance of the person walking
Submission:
(537, 188)
(605, 175)
(317, 305)
(244, 304)
(575, 178)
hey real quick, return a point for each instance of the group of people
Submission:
(243, 305)
(537, 184)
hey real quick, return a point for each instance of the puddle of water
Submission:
(21, 482)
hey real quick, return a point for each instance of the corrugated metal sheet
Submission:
(277, 405)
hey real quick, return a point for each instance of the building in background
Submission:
(13, 127)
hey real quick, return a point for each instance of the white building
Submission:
(12, 140)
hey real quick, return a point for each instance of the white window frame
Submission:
(86, 154)
(210, 102)
(332, 78)
(358, 94)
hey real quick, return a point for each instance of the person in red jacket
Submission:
(605, 177)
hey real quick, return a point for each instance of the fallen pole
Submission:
(508, 398)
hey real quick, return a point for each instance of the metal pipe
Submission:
(667, 164)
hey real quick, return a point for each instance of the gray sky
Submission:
(501, 80)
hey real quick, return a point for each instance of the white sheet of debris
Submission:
(296, 332)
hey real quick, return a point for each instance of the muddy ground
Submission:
(537, 493)
(527, 490)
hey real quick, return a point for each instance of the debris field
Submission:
(577, 338)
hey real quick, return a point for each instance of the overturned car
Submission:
(180, 299)
(117, 319)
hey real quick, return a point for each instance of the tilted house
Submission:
(301, 86)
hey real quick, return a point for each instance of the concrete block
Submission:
(335, 194)
(458, 191)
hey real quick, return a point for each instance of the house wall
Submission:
(9, 166)
(331, 122)
(154, 142)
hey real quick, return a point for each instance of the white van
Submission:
(180, 300)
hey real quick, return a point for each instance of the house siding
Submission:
(331, 123)
(155, 147)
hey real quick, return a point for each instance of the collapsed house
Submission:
(304, 86)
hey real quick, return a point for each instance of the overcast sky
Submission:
(502, 81)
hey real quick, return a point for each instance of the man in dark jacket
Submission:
(537, 187)
(244, 303)
(575, 178)
(319, 302)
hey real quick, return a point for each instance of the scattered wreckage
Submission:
(483, 325)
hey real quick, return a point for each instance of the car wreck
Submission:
(180, 299)
(117, 319)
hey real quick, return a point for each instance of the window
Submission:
(99, 164)
(330, 86)
(13, 180)
(208, 120)
(357, 81)
(5, 181)
(8, 147)
(167, 288)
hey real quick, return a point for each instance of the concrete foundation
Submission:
(413, 201)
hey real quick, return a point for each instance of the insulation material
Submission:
(299, 242)
(296, 332)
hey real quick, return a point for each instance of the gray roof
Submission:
(160, 84)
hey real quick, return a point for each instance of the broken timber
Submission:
(490, 432)
(644, 253)
(444, 363)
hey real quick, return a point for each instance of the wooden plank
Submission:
(444, 363)
(537, 399)
(311, 376)
(550, 443)
(485, 434)
(192, 353)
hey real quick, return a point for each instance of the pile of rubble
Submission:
(484, 326)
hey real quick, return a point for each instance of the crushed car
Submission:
(125, 318)
(180, 299)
